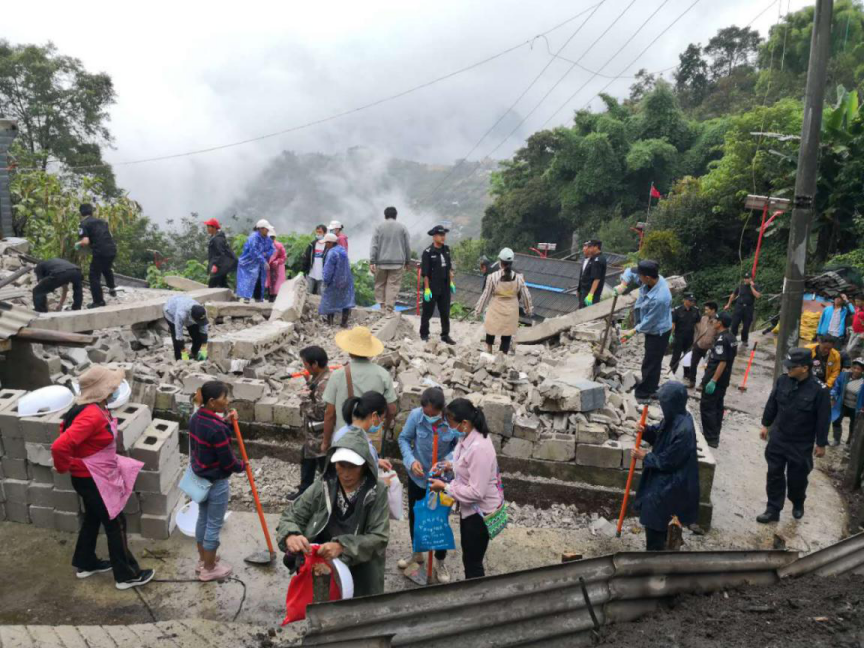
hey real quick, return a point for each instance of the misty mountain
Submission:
(297, 191)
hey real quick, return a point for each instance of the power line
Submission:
(563, 76)
(344, 113)
(477, 144)
(608, 61)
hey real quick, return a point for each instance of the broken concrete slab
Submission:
(250, 389)
(556, 447)
(394, 327)
(564, 393)
(608, 455)
(249, 344)
(118, 314)
(184, 284)
(499, 412)
(290, 301)
(238, 309)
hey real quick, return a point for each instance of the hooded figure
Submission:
(670, 474)
(361, 524)
(338, 281)
(254, 264)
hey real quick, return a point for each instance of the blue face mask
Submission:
(374, 428)
(432, 419)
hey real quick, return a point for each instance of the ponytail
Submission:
(462, 409)
(360, 408)
(507, 268)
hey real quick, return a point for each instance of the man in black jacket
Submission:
(684, 321)
(53, 274)
(799, 409)
(220, 256)
(94, 233)
(437, 271)
(715, 382)
(313, 262)
(592, 279)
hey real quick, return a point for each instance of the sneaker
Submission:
(143, 578)
(448, 339)
(220, 571)
(101, 567)
(443, 572)
(415, 558)
(768, 516)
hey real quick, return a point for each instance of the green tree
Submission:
(691, 76)
(664, 247)
(731, 48)
(61, 108)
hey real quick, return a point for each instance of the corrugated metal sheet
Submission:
(546, 303)
(844, 556)
(13, 319)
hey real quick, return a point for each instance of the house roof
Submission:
(547, 303)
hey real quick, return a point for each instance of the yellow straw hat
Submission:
(359, 341)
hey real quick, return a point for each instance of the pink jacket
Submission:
(276, 276)
(476, 484)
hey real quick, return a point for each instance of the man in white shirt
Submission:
(313, 262)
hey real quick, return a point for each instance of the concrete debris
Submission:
(290, 300)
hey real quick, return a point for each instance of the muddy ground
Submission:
(807, 612)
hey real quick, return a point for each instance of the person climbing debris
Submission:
(53, 274)
(95, 234)
(221, 259)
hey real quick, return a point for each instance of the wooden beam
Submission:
(43, 336)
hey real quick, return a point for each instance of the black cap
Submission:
(438, 229)
(690, 297)
(648, 268)
(199, 314)
(798, 357)
(725, 319)
(86, 209)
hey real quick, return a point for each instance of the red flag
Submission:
(654, 192)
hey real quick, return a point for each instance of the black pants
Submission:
(475, 541)
(95, 514)
(788, 470)
(742, 315)
(711, 410)
(52, 283)
(505, 342)
(683, 343)
(845, 412)
(695, 359)
(309, 468)
(218, 281)
(415, 494)
(652, 364)
(101, 266)
(346, 313)
(655, 540)
(198, 339)
(442, 301)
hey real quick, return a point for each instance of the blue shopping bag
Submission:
(431, 527)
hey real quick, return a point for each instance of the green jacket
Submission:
(364, 551)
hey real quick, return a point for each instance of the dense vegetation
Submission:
(705, 141)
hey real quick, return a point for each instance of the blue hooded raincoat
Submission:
(338, 282)
(253, 265)
(670, 473)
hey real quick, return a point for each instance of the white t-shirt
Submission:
(317, 271)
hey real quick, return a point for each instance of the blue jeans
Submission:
(211, 515)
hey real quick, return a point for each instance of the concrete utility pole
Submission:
(8, 131)
(805, 183)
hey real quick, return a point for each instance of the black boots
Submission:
(798, 511)
(768, 516)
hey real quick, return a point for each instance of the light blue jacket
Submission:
(655, 308)
(838, 391)
(828, 313)
(415, 442)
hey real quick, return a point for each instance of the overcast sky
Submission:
(192, 75)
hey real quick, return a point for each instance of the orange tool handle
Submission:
(431, 554)
(749, 363)
(252, 484)
(632, 470)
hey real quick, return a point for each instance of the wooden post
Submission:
(852, 479)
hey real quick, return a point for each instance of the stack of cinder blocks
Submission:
(32, 492)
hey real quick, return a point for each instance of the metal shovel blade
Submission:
(263, 557)
(416, 573)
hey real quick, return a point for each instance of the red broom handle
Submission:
(632, 470)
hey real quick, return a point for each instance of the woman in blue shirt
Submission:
(415, 442)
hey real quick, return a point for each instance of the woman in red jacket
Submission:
(87, 448)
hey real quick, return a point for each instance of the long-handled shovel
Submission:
(263, 557)
(632, 470)
(743, 386)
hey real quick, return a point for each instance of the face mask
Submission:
(375, 428)
(318, 237)
(432, 419)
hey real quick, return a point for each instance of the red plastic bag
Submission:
(300, 589)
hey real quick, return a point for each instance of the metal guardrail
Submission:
(844, 556)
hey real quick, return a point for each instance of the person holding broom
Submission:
(669, 485)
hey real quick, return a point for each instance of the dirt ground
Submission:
(808, 612)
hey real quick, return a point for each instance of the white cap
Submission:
(334, 225)
(348, 456)
(330, 237)
(263, 223)
(272, 232)
(506, 254)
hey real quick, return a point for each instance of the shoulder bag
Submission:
(197, 488)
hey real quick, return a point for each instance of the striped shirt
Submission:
(210, 451)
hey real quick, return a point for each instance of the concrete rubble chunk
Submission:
(184, 284)
(607, 455)
(133, 419)
(499, 412)
(603, 527)
(241, 310)
(250, 343)
(249, 389)
(519, 448)
(39, 454)
(556, 447)
(410, 397)
(264, 409)
(156, 445)
(591, 433)
(527, 427)
(562, 393)
(288, 413)
(166, 397)
(290, 301)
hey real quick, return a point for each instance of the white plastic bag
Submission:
(394, 494)
(685, 361)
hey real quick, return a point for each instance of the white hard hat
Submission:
(334, 225)
(263, 223)
(506, 254)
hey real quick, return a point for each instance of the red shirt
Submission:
(858, 321)
(89, 433)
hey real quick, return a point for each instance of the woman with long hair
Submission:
(365, 416)
(503, 291)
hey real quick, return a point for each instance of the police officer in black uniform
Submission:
(437, 271)
(715, 382)
(684, 321)
(94, 233)
(799, 409)
(744, 296)
(53, 274)
(592, 279)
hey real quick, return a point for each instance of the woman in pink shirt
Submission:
(276, 276)
(476, 484)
